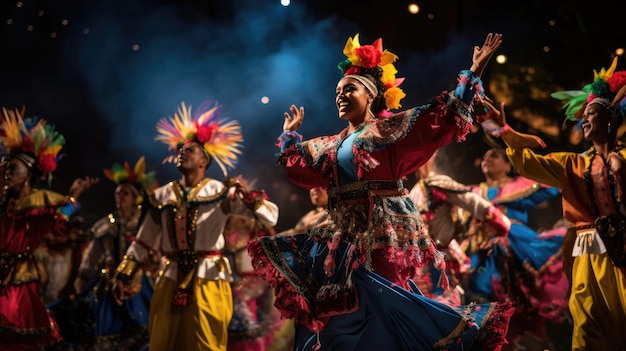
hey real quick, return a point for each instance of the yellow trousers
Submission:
(284, 337)
(202, 325)
(598, 304)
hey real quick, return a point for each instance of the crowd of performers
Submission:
(196, 263)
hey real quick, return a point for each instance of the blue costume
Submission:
(112, 326)
(527, 270)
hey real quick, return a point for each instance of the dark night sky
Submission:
(105, 71)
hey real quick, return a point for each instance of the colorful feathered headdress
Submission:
(32, 140)
(136, 176)
(607, 84)
(221, 141)
(369, 57)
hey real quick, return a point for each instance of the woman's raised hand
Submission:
(80, 185)
(293, 121)
(513, 138)
(483, 54)
(494, 113)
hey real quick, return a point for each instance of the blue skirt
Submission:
(380, 315)
(105, 325)
(113, 319)
(98, 322)
(529, 252)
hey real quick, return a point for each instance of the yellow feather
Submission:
(140, 166)
(606, 74)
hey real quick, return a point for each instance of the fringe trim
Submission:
(44, 336)
(284, 136)
(289, 302)
(464, 128)
(492, 334)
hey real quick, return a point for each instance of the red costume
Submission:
(24, 321)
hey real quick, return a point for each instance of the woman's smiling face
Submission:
(595, 123)
(352, 100)
(495, 164)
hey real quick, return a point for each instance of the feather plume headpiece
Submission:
(607, 84)
(31, 137)
(364, 57)
(221, 141)
(136, 176)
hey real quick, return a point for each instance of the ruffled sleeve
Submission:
(287, 139)
(412, 136)
(306, 162)
(469, 87)
(59, 209)
(68, 208)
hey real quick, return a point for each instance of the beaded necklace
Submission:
(610, 178)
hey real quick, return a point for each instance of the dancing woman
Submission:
(593, 200)
(27, 216)
(346, 282)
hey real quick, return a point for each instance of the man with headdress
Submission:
(117, 326)
(192, 302)
(28, 215)
(592, 194)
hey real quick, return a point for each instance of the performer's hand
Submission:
(513, 138)
(117, 291)
(499, 223)
(81, 184)
(482, 55)
(241, 187)
(488, 245)
(293, 121)
(494, 113)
